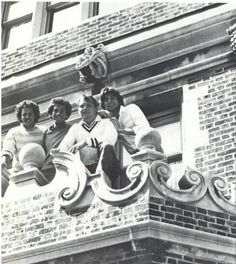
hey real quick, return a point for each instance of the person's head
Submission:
(88, 108)
(27, 112)
(59, 110)
(111, 99)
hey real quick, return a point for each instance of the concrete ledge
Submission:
(147, 229)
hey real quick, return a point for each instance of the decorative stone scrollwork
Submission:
(216, 187)
(92, 64)
(137, 173)
(161, 171)
(75, 178)
(72, 179)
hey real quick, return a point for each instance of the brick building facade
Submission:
(176, 62)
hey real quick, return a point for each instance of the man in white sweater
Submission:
(129, 120)
(93, 138)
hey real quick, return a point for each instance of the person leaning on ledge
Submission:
(27, 112)
(93, 138)
(59, 110)
(129, 120)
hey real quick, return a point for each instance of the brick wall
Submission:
(192, 217)
(217, 112)
(43, 222)
(96, 30)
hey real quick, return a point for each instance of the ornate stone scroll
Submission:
(92, 64)
(71, 175)
(149, 165)
(75, 181)
(137, 173)
(216, 186)
(160, 172)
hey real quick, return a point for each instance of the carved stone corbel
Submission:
(92, 64)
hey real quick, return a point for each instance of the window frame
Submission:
(51, 9)
(164, 118)
(88, 9)
(7, 25)
(40, 18)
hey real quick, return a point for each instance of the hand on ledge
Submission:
(77, 146)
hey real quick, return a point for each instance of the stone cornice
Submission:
(185, 28)
(147, 229)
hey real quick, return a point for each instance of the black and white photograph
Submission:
(118, 132)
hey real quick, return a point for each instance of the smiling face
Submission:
(28, 117)
(59, 115)
(87, 110)
(111, 103)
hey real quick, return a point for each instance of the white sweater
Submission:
(100, 131)
(16, 138)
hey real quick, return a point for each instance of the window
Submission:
(62, 15)
(24, 20)
(16, 23)
(106, 7)
(168, 124)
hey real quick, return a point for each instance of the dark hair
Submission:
(60, 101)
(107, 91)
(88, 98)
(24, 104)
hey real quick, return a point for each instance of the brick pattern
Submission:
(42, 222)
(96, 30)
(217, 111)
(192, 217)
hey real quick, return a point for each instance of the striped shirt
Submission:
(98, 132)
(16, 138)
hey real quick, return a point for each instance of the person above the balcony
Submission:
(93, 138)
(59, 110)
(27, 112)
(128, 120)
